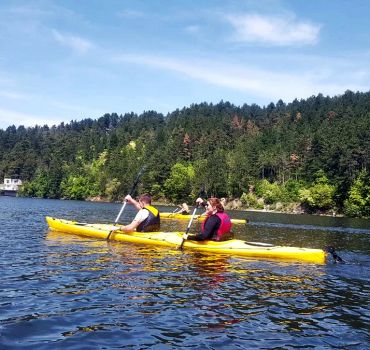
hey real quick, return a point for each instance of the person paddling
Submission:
(184, 209)
(217, 225)
(147, 219)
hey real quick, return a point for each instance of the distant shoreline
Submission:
(228, 207)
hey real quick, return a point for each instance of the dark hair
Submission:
(145, 198)
(215, 202)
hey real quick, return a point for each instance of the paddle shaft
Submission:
(131, 192)
(120, 212)
(185, 236)
(124, 204)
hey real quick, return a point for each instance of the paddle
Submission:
(174, 212)
(334, 254)
(185, 236)
(131, 193)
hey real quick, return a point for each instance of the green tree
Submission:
(177, 188)
(320, 195)
(250, 200)
(112, 189)
(229, 147)
(270, 192)
(76, 187)
(358, 202)
(291, 189)
(38, 187)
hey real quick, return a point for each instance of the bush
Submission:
(177, 187)
(358, 202)
(38, 187)
(112, 189)
(270, 192)
(318, 196)
(250, 200)
(291, 190)
(78, 187)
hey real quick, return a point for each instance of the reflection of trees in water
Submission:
(205, 291)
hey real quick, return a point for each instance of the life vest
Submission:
(224, 229)
(152, 223)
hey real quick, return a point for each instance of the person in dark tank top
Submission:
(217, 225)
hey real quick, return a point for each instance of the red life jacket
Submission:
(224, 228)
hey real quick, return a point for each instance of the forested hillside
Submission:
(315, 152)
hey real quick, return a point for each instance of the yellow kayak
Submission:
(176, 216)
(174, 239)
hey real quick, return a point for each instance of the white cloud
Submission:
(273, 30)
(76, 43)
(268, 84)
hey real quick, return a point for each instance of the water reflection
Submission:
(220, 290)
(63, 291)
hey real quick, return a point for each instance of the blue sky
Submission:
(63, 60)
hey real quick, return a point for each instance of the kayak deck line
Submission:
(201, 217)
(233, 247)
(260, 244)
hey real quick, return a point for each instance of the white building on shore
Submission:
(10, 186)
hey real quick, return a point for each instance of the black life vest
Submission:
(152, 223)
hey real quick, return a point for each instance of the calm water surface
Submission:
(61, 291)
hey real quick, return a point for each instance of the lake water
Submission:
(60, 291)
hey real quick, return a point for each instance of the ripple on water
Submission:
(65, 292)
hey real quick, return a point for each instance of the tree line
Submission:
(312, 154)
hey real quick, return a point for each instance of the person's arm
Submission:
(211, 226)
(140, 217)
(130, 227)
(202, 203)
(132, 201)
